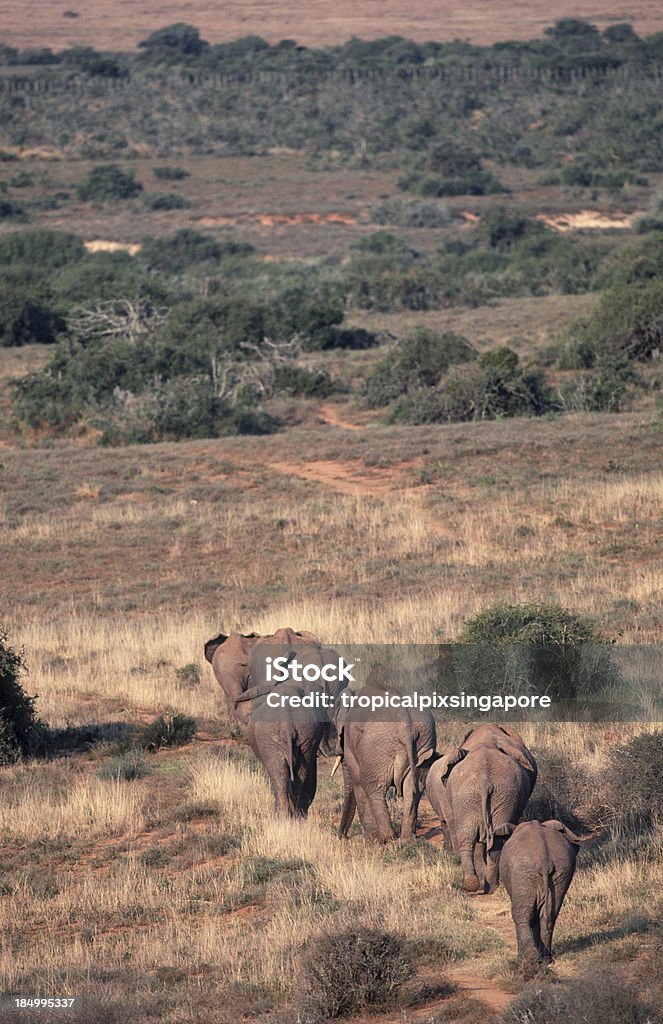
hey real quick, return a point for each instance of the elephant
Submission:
(286, 741)
(234, 663)
(377, 754)
(479, 790)
(537, 865)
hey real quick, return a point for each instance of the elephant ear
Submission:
(448, 760)
(559, 826)
(519, 754)
(211, 645)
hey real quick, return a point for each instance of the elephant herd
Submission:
(478, 790)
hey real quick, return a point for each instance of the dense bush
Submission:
(188, 248)
(545, 648)
(41, 249)
(24, 321)
(418, 361)
(108, 183)
(602, 391)
(611, 1000)
(166, 201)
(352, 970)
(493, 387)
(167, 173)
(628, 321)
(21, 732)
(636, 769)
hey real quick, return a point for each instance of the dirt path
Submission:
(332, 415)
(344, 477)
(496, 916)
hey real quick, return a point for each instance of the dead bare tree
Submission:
(117, 318)
(269, 355)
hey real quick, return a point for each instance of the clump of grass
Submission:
(636, 768)
(611, 1000)
(353, 969)
(189, 675)
(128, 766)
(167, 731)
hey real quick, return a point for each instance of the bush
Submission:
(636, 768)
(25, 321)
(21, 732)
(412, 214)
(419, 361)
(41, 249)
(172, 731)
(603, 391)
(179, 252)
(170, 173)
(296, 380)
(125, 768)
(495, 387)
(344, 973)
(538, 647)
(108, 183)
(189, 675)
(167, 201)
(628, 321)
(180, 40)
(611, 1000)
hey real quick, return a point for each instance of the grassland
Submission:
(106, 25)
(176, 896)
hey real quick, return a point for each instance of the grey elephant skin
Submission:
(537, 865)
(395, 750)
(234, 665)
(285, 739)
(479, 791)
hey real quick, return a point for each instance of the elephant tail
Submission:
(290, 756)
(486, 827)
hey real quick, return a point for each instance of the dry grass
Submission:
(313, 23)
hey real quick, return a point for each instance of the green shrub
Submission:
(41, 249)
(628, 321)
(545, 648)
(170, 173)
(108, 183)
(603, 391)
(612, 1001)
(296, 380)
(125, 767)
(636, 769)
(22, 180)
(347, 972)
(21, 732)
(186, 248)
(25, 321)
(495, 387)
(171, 731)
(410, 214)
(418, 362)
(178, 39)
(167, 201)
(11, 211)
(189, 675)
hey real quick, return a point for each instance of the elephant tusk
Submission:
(337, 764)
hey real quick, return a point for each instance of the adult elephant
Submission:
(236, 666)
(394, 750)
(286, 740)
(537, 866)
(479, 791)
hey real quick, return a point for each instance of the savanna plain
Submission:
(155, 883)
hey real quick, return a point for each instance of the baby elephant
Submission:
(536, 867)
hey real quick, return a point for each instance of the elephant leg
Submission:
(284, 803)
(349, 805)
(307, 787)
(411, 797)
(492, 871)
(527, 929)
(365, 811)
(545, 934)
(480, 859)
(384, 826)
(471, 881)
